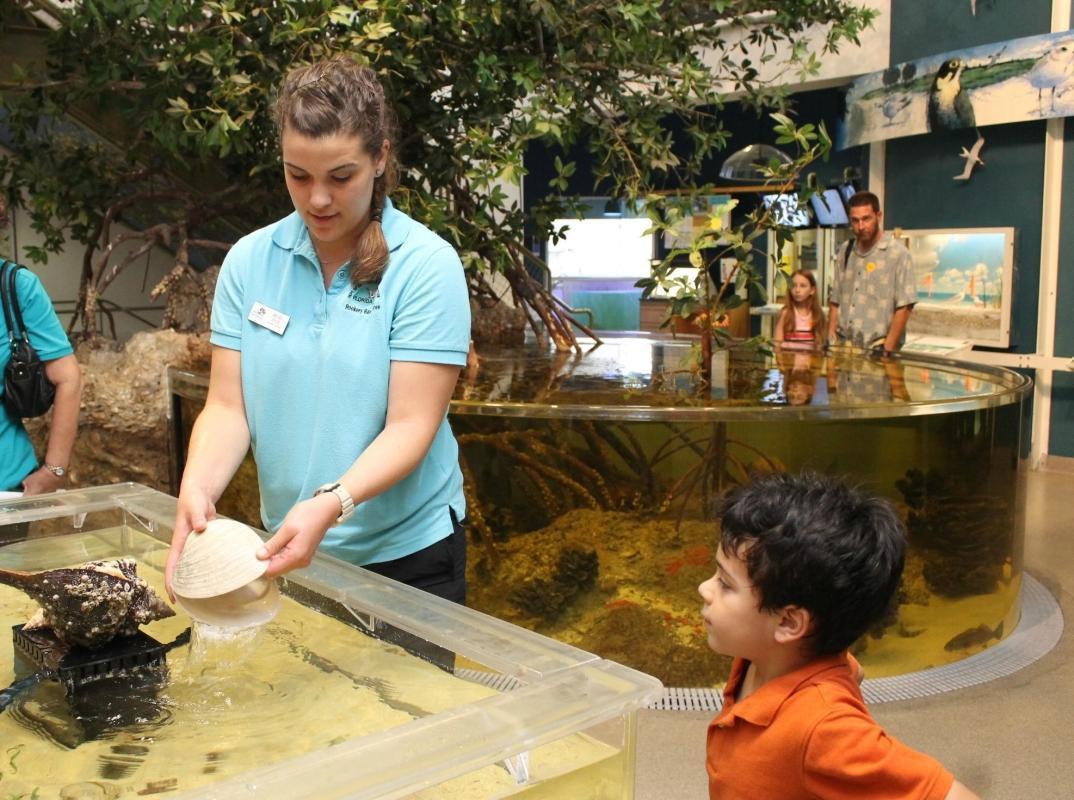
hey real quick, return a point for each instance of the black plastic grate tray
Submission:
(76, 666)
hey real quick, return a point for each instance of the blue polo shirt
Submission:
(316, 395)
(17, 458)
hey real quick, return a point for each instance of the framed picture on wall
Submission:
(964, 280)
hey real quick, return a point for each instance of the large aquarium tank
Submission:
(593, 483)
(337, 697)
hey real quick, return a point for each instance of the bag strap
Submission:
(16, 329)
(846, 253)
(4, 300)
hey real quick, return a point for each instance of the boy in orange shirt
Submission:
(805, 566)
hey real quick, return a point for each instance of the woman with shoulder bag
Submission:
(20, 470)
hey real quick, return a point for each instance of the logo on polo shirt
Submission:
(364, 299)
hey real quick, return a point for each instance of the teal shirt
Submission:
(316, 395)
(17, 458)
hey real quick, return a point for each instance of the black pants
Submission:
(438, 569)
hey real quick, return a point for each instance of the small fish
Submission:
(974, 636)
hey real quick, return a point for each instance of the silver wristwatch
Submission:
(59, 472)
(346, 502)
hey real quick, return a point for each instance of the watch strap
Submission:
(346, 502)
(59, 472)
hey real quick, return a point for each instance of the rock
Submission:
(123, 429)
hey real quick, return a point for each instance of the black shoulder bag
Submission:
(27, 390)
(846, 253)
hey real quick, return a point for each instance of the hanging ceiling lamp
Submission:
(748, 165)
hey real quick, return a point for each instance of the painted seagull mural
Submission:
(949, 106)
(1050, 71)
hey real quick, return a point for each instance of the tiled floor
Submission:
(1009, 739)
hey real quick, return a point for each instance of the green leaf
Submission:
(732, 302)
(378, 30)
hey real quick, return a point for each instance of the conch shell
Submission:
(92, 603)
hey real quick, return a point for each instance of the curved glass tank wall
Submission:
(592, 482)
(329, 700)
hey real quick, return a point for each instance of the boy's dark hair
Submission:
(864, 199)
(811, 541)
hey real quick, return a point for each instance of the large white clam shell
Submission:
(220, 559)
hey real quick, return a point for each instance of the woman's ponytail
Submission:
(371, 254)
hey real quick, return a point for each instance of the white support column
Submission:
(1049, 266)
(1049, 276)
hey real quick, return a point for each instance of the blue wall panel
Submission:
(1005, 192)
(1064, 323)
(927, 27)
(1061, 426)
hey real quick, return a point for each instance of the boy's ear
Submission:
(793, 625)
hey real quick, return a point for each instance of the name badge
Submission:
(275, 321)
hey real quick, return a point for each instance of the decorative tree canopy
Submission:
(178, 97)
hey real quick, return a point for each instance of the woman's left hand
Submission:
(42, 481)
(297, 539)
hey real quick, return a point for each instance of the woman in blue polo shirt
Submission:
(20, 470)
(338, 333)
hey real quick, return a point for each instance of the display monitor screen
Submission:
(847, 190)
(829, 209)
(787, 211)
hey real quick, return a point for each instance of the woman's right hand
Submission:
(195, 509)
(218, 442)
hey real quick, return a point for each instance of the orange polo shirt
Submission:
(808, 735)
